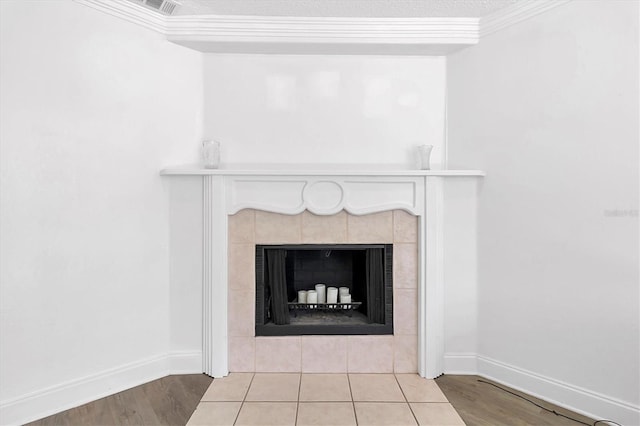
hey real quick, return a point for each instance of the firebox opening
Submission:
(324, 289)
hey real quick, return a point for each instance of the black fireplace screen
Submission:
(324, 289)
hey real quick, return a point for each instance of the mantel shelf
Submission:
(313, 170)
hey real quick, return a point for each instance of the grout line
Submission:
(393, 227)
(347, 226)
(253, 231)
(299, 215)
(406, 399)
(353, 404)
(244, 398)
(298, 401)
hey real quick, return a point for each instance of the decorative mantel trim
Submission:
(225, 192)
(326, 195)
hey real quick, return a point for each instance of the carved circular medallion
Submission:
(323, 196)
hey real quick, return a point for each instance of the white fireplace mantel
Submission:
(314, 169)
(323, 191)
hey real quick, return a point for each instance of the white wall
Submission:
(549, 108)
(324, 109)
(460, 230)
(186, 239)
(91, 108)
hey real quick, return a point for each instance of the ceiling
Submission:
(345, 8)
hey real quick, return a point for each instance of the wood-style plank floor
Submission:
(171, 401)
(167, 401)
(482, 404)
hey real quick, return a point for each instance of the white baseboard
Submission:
(577, 399)
(51, 400)
(185, 362)
(460, 363)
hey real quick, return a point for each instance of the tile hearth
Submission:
(324, 399)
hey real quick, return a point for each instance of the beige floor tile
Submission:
(267, 413)
(324, 387)
(375, 387)
(326, 414)
(274, 387)
(231, 388)
(215, 413)
(436, 414)
(417, 389)
(384, 413)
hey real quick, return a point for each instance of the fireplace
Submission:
(239, 209)
(324, 289)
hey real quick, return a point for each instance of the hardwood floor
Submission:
(167, 401)
(481, 404)
(171, 401)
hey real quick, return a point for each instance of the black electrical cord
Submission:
(546, 409)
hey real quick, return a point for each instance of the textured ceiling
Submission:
(345, 8)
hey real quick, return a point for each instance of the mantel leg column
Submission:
(431, 289)
(214, 278)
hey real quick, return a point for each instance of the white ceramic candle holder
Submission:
(211, 154)
(424, 156)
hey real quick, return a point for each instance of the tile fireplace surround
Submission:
(322, 354)
(244, 207)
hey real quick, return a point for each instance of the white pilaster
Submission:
(214, 278)
(431, 288)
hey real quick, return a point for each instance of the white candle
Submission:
(312, 298)
(344, 290)
(332, 295)
(345, 298)
(322, 294)
(302, 296)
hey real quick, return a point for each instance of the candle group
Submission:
(324, 295)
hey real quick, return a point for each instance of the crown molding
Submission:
(516, 13)
(129, 11)
(329, 29)
(323, 35)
